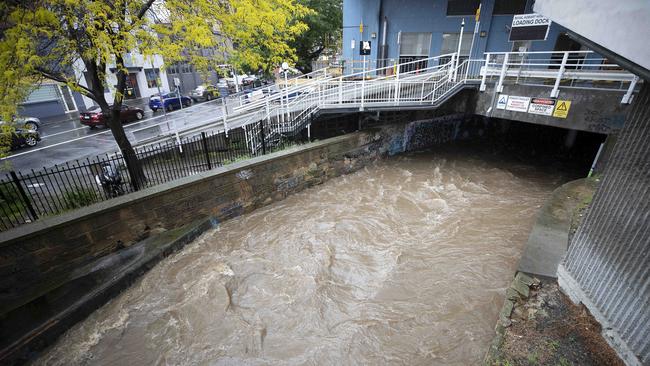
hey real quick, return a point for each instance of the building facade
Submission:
(51, 102)
(146, 76)
(416, 29)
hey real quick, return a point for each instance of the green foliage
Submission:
(11, 204)
(554, 345)
(325, 31)
(48, 39)
(565, 362)
(79, 197)
(533, 358)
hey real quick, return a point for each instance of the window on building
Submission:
(450, 43)
(462, 7)
(153, 77)
(509, 7)
(414, 46)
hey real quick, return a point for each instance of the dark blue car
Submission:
(169, 101)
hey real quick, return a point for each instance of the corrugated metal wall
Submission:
(609, 256)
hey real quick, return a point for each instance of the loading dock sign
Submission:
(543, 106)
(562, 108)
(529, 27)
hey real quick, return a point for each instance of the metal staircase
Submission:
(292, 109)
(274, 112)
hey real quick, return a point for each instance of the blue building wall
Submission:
(428, 16)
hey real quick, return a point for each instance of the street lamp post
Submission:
(285, 68)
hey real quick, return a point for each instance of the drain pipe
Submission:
(384, 47)
(593, 165)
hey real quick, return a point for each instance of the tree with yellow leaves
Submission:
(47, 39)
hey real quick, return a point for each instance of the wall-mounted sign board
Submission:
(517, 104)
(543, 106)
(529, 27)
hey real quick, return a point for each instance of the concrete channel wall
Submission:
(607, 266)
(597, 111)
(54, 272)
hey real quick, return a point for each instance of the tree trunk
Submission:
(136, 171)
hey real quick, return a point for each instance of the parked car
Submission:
(23, 137)
(169, 101)
(28, 123)
(94, 116)
(205, 92)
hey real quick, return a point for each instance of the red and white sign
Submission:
(543, 106)
(517, 104)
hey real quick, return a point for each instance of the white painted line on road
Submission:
(88, 136)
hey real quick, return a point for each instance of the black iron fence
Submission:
(29, 196)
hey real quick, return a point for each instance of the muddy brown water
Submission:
(404, 262)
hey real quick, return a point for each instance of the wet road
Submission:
(403, 263)
(69, 140)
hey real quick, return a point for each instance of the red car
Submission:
(94, 117)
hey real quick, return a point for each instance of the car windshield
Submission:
(94, 108)
(200, 88)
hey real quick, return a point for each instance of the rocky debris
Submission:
(538, 325)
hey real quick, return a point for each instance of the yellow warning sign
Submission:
(562, 108)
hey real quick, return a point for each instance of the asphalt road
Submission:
(69, 140)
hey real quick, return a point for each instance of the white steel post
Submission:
(223, 114)
(397, 83)
(341, 90)
(556, 88)
(451, 66)
(503, 73)
(268, 112)
(627, 98)
(286, 92)
(485, 69)
(363, 82)
(460, 41)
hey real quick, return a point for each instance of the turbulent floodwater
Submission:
(405, 262)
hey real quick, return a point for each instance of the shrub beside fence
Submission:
(28, 196)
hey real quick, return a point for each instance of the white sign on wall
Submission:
(543, 106)
(501, 101)
(517, 104)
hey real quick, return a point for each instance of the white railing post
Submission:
(223, 113)
(341, 90)
(397, 84)
(503, 73)
(627, 98)
(363, 83)
(451, 66)
(268, 112)
(556, 88)
(485, 71)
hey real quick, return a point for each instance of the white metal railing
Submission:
(567, 69)
(286, 108)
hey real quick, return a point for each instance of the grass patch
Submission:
(79, 197)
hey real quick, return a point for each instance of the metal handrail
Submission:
(291, 106)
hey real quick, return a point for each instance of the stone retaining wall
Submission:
(38, 257)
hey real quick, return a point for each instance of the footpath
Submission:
(538, 324)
